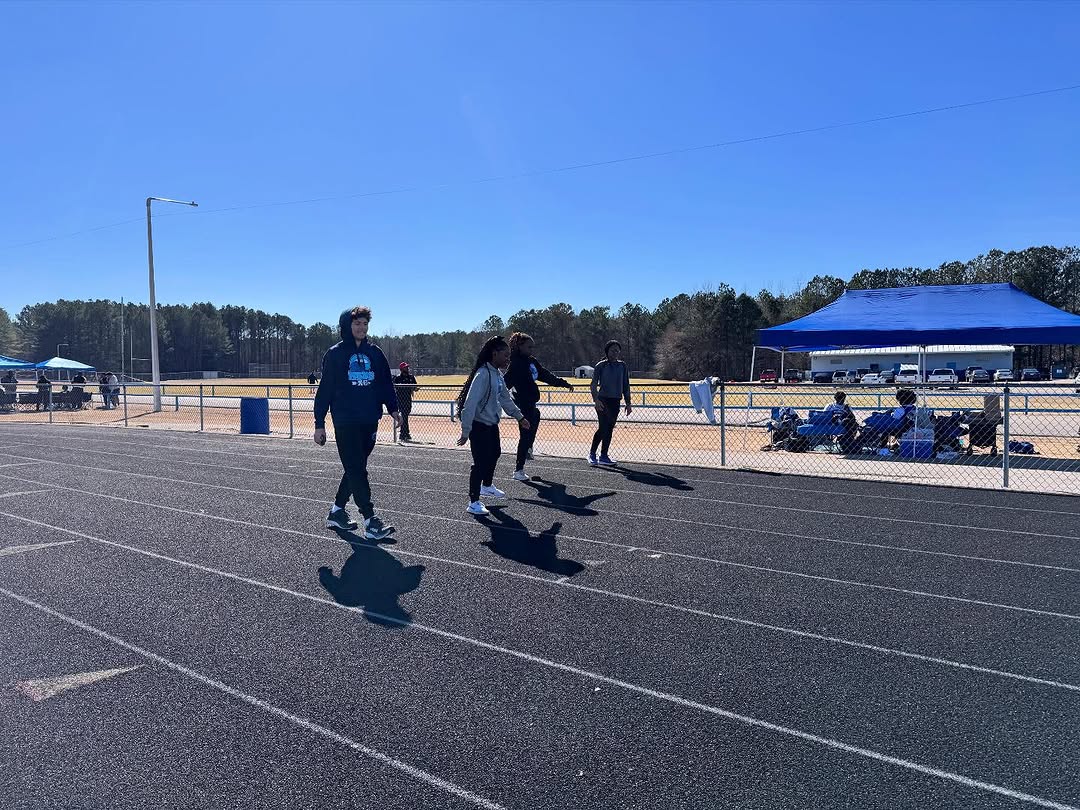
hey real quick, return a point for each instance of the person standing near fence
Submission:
(521, 377)
(44, 388)
(405, 385)
(112, 384)
(610, 383)
(479, 402)
(355, 386)
(77, 383)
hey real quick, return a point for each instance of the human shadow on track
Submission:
(555, 496)
(652, 479)
(511, 540)
(374, 580)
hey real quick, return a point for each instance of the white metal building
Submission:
(954, 357)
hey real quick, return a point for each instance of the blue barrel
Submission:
(254, 415)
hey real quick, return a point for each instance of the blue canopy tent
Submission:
(11, 362)
(62, 364)
(957, 314)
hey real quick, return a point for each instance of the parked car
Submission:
(1004, 375)
(908, 375)
(871, 379)
(839, 377)
(1030, 375)
(792, 375)
(769, 375)
(888, 377)
(944, 376)
(821, 378)
(860, 373)
(978, 376)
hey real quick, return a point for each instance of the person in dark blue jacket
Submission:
(355, 386)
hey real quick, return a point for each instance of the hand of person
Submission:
(462, 441)
(320, 436)
(524, 423)
(396, 416)
(629, 410)
(600, 409)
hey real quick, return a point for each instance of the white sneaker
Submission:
(521, 475)
(491, 492)
(477, 508)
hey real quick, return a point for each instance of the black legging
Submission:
(527, 437)
(607, 418)
(404, 410)
(354, 445)
(486, 449)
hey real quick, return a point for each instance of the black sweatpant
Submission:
(607, 419)
(527, 437)
(486, 449)
(403, 412)
(354, 445)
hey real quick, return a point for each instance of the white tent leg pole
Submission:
(753, 360)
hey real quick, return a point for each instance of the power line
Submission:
(575, 166)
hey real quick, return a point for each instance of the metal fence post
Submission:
(723, 426)
(451, 410)
(1005, 441)
(290, 412)
(201, 422)
(268, 392)
(573, 414)
(176, 402)
(125, 406)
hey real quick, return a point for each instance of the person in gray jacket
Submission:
(479, 403)
(610, 383)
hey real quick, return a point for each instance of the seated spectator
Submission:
(845, 417)
(312, 379)
(77, 383)
(10, 382)
(905, 413)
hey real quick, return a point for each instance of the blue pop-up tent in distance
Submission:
(954, 314)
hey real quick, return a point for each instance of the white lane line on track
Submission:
(644, 516)
(716, 711)
(8, 551)
(622, 546)
(566, 583)
(18, 463)
(26, 492)
(398, 450)
(302, 722)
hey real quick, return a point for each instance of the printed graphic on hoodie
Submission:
(534, 372)
(360, 372)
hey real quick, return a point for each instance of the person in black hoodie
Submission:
(355, 385)
(521, 376)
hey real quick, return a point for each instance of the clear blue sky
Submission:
(235, 104)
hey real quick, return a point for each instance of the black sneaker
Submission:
(339, 519)
(375, 529)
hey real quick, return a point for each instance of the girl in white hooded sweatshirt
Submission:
(479, 403)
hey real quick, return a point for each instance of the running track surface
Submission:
(641, 637)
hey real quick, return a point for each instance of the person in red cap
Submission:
(405, 384)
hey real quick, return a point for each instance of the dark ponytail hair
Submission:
(493, 344)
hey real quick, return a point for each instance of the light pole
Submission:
(58, 345)
(155, 369)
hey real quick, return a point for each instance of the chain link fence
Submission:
(1016, 436)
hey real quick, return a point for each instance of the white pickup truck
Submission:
(943, 376)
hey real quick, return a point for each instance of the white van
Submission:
(908, 375)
